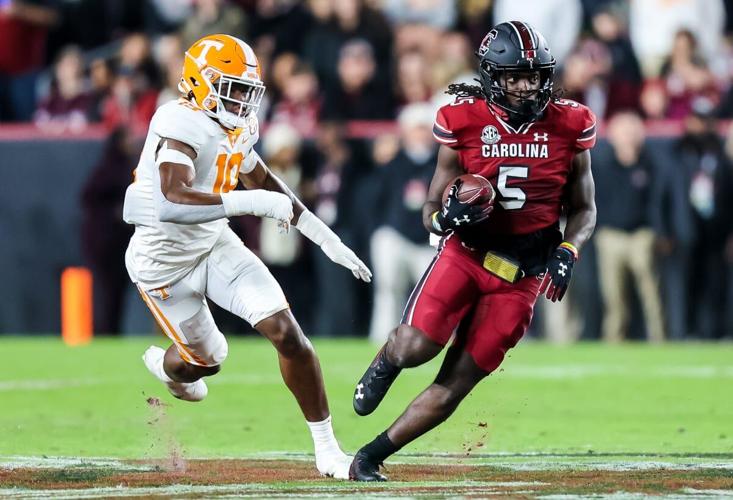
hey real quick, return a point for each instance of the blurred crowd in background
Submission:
(665, 206)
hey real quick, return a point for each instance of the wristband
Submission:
(570, 247)
(435, 223)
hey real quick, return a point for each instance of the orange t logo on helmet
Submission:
(221, 75)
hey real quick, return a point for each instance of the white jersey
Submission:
(161, 253)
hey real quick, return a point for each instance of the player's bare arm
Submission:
(580, 224)
(581, 201)
(446, 169)
(306, 222)
(177, 178)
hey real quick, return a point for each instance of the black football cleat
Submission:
(374, 384)
(364, 468)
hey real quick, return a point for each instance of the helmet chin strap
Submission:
(230, 120)
(519, 115)
(522, 115)
(527, 109)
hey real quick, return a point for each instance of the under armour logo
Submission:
(541, 137)
(563, 268)
(465, 219)
(359, 394)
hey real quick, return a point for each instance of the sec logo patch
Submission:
(490, 135)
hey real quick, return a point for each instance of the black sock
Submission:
(379, 449)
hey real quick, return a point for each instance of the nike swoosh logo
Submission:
(226, 61)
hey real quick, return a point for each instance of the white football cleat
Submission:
(334, 464)
(193, 391)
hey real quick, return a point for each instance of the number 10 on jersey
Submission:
(227, 172)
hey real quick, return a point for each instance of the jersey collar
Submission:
(503, 118)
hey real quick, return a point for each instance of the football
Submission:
(475, 190)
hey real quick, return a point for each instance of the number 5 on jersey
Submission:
(514, 198)
(227, 172)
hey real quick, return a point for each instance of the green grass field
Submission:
(672, 403)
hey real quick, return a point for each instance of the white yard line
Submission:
(337, 489)
(622, 495)
(583, 371)
(340, 490)
(45, 385)
(619, 466)
(513, 461)
(54, 384)
(18, 462)
(539, 372)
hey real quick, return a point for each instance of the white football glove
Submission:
(259, 202)
(319, 233)
(344, 256)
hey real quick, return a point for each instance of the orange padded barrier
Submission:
(76, 306)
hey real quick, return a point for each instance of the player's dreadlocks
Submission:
(465, 90)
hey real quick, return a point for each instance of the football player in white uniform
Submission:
(197, 150)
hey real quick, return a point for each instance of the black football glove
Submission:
(557, 275)
(456, 214)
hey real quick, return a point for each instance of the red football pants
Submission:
(488, 314)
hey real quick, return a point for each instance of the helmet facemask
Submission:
(231, 99)
(532, 103)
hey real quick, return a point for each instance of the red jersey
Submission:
(528, 166)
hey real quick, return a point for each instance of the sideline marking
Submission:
(49, 384)
(253, 490)
(515, 461)
(345, 489)
(539, 372)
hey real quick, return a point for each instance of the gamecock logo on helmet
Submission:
(484, 47)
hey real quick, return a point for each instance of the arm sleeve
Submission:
(185, 214)
(586, 138)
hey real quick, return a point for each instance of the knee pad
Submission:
(204, 338)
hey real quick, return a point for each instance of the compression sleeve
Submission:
(315, 229)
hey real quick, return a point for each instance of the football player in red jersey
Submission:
(490, 268)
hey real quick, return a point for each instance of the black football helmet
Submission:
(515, 46)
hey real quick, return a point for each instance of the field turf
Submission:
(552, 417)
